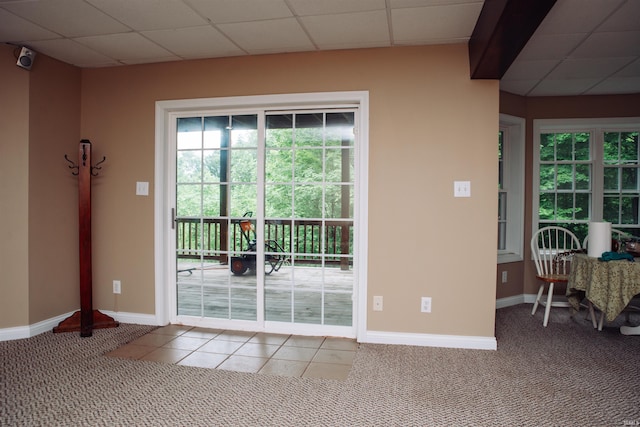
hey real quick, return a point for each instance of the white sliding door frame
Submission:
(166, 111)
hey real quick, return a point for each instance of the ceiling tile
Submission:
(435, 23)
(124, 46)
(15, 29)
(631, 70)
(518, 87)
(151, 14)
(588, 68)
(226, 11)
(553, 46)
(530, 70)
(549, 87)
(279, 35)
(577, 16)
(619, 44)
(73, 53)
(194, 42)
(333, 7)
(150, 60)
(626, 18)
(70, 18)
(335, 31)
(422, 3)
(616, 85)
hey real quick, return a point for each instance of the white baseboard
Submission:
(28, 331)
(430, 340)
(558, 300)
(133, 318)
(511, 301)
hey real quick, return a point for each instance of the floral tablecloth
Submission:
(609, 285)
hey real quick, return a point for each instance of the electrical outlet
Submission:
(117, 287)
(377, 303)
(461, 188)
(504, 277)
(425, 305)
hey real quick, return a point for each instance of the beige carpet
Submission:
(566, 374)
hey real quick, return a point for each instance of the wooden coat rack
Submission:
(86, 319)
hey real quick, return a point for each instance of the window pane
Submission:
(629, 147)
(583, 177)
(188, 200)
(277, 201)
(308, 165)
(502, 235)
(189, 133)
(338, 202)
(629, 210)
(211, 200)
(564, 146)
(547, 177)
(630, 179)
(611, 209)
(216, 134)
(611, 146)
(244, 165)
(244, 131)
(308, 201)
(211, 166)
(502, 206)
(309, 129)
(582, 146)
(547, 147)
(189, 166)
(565, 177)
(278, 166)
(565, 207)
(279, 130)
(611, 178)
(583, 201)
(339, 131)
(547, 206)
(243, 199)
(339, 165)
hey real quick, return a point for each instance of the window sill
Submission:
(506, 257)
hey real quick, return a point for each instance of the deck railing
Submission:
(210, 239)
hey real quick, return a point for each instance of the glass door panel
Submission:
(309, 170)
(216, 185)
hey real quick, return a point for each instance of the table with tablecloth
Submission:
(609, 285)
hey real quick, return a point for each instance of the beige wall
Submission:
(553, 108)
(40, 121)
(429, 125)
(54, 129)
(14, 187)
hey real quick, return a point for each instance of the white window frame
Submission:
(513, 185)
(595, 126)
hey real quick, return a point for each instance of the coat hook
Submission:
(72, 166)
(97, 166)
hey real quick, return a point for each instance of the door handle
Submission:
(173, 218)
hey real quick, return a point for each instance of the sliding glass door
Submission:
(264, 218)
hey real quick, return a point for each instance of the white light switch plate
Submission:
(461, 188)
(142, 188)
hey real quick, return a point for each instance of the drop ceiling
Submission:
(582, 47)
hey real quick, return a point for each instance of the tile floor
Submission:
(286, 355)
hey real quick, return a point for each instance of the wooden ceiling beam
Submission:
(503, 29)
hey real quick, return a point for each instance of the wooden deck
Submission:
(308, 294)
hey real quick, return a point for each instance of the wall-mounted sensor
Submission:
(25, 59)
